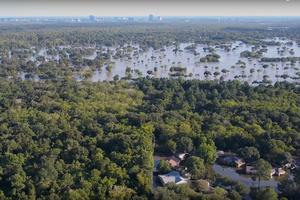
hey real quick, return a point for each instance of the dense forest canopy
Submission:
(146, 34)
(94, 140)
(68, 139)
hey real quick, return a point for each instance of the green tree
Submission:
(267, 194)
(234, 195)
(171, 146)
(249, 154)
(200, 185)
(185, 144)
(263, 170)
(163, 167)
(196, 167)
(207, 152)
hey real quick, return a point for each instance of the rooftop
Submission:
(172, 177)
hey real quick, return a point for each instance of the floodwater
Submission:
(248, 181)
(162, 61)
(157, 63)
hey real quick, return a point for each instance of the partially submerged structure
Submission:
(251, 170)
(233, 161)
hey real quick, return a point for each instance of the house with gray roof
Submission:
(172, 177)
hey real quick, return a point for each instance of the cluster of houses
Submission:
(230, 159)
(178, 174)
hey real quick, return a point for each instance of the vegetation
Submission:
(251, 54)
(268, 194)
(63, 139)
(71, 138)
(163, 167)
(249, 154)
(210, 58)
(281, 59)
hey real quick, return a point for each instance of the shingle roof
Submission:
(172, 177)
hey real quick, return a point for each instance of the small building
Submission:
(292, 165)
(238, 162)
(172, 177)
(279, 172)
(182, 156)
(174, 162)
(231, 161)
(251, 170)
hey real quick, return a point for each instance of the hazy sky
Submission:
(145, 7)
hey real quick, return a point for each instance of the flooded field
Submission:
(228, 67)
(231, 61)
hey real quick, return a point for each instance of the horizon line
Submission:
(178, 16)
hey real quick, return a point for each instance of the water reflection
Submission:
(227, 68)
(134, 61)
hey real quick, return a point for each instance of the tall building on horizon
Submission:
(151, 18)
(92, 18)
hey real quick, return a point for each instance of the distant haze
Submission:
(145, 7)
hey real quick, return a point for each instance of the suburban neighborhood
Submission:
(177, 173)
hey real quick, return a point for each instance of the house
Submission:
(172, 177)
(251, 170)
(292, 165)
(288, 165)
(279, 172)
(182, 156)
(231, 161)
(174, 162)
(238, 162)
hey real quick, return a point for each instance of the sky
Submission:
(145, 7)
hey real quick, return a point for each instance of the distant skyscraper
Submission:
(151, 18)
(92, 18)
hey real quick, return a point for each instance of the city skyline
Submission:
(41, 8)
